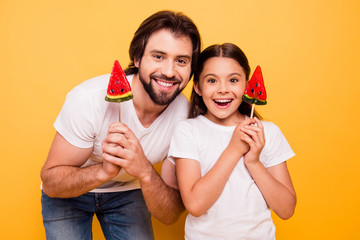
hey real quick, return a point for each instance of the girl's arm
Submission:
(276, 187)
(200, 193)
(274, 183)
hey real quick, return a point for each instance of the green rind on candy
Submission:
(251, 100)
(119, 99)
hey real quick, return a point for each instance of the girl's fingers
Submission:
(255, 133)
(261, 133)
(251, 130)
(246, 138)
(258, 122)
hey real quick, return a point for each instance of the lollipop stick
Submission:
(252, 110)
(119, 113)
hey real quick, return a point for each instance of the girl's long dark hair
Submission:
(229, 50)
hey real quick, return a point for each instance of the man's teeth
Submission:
(165, 84)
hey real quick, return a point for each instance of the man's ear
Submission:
(137, 63)
(197, 89)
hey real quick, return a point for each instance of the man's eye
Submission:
(182, 61)
(156, 56)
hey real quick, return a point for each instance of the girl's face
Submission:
(222, 84)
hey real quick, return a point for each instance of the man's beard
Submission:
(161, 98)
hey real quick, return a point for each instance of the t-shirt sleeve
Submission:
(75, 120)
(183, 143)
(277, 148)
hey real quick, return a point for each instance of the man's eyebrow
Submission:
(158, 51)
(184, 56)
(164, 53)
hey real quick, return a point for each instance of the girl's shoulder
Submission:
(273, 133)
(277, 148)
(269, 126)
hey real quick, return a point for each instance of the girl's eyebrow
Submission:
(234, 73)
(230, 74)
(210, 74)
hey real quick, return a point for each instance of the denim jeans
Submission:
(122, 215)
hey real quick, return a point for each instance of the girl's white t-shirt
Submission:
(241, 211)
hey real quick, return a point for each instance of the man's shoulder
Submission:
(179, 106)
(95, 82)
(181, 100)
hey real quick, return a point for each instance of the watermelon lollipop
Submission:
(255, 92)
(119, 89)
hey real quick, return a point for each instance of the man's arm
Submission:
(62, 175)
(162, 195)
(122, 148)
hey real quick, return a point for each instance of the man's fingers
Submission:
(119, 127)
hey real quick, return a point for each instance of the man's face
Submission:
(165, 67)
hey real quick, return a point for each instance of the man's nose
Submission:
(168, 69)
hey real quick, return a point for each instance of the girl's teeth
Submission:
(223, 101)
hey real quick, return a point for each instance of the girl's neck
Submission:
(233, 120)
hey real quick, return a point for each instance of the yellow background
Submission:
(309, 53)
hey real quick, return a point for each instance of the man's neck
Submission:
(146, 110)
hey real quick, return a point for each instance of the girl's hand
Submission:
(254, 136)
(238, 146)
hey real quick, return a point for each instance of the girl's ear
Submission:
(197, 89)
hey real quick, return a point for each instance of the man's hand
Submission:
(122, 148)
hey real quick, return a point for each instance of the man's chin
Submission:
(160, 95)
(163, 101)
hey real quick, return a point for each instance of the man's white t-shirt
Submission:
(241, 211)
(85, 117)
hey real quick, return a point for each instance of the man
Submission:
(97, 164)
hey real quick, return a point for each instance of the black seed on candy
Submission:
(256, 84)
(122, 90)
(112, 90)
(117, 82)
(259, 93)
(252, 90)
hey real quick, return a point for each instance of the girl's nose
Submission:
(223, 88)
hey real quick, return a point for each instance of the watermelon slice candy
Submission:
(255, 92)
(119, 89)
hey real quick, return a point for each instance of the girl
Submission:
(231, 169)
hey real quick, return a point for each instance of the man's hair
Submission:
(175, 22)
(227, 50)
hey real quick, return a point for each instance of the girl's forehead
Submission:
(222, 65)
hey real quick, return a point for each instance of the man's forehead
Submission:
(166, 42)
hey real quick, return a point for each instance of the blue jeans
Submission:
(122, 215)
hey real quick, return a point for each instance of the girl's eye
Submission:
(211, 80)
(233, 80)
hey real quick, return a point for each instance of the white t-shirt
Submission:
(241, 211)
(85, 117)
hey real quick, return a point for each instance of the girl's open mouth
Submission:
(222, 102)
